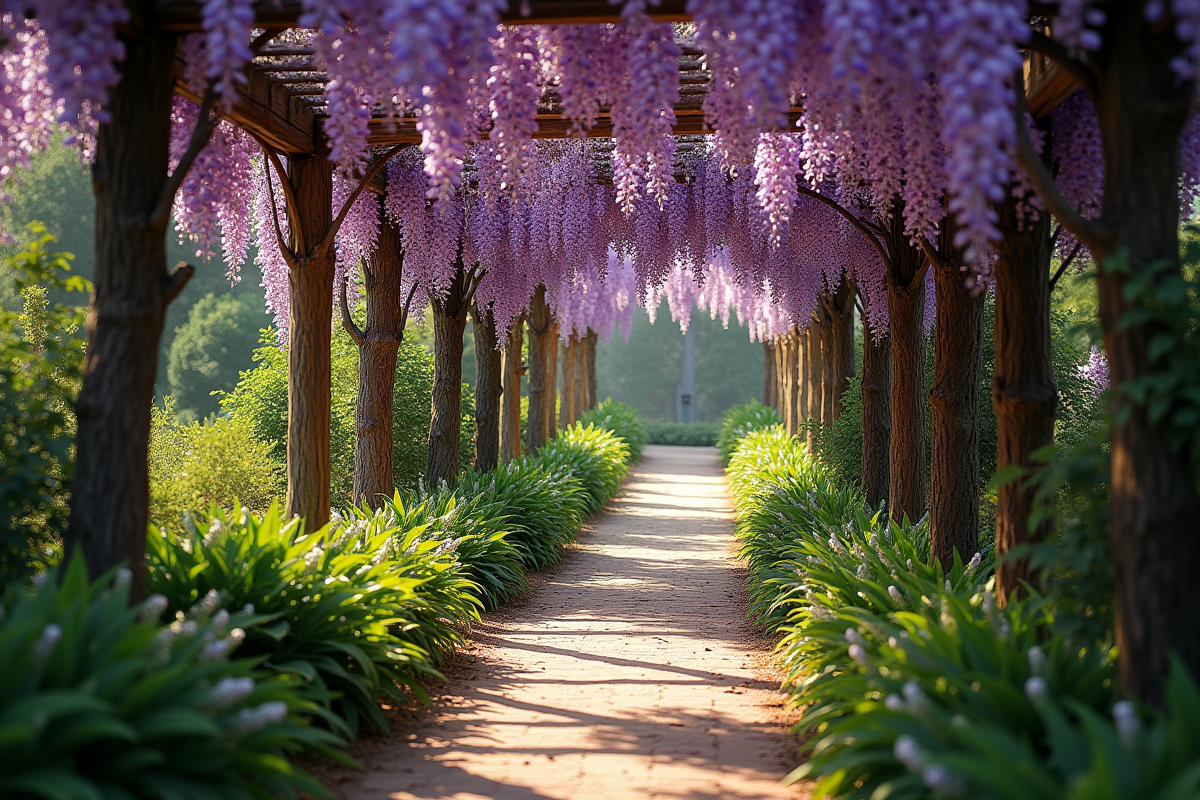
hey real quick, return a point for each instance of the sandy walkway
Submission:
(629, 673)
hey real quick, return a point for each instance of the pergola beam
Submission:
(183, 16)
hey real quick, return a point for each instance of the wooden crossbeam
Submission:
(184, 15)
(1046, 84)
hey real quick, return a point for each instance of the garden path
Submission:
(629, 672)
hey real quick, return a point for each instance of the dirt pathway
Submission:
(629, 673)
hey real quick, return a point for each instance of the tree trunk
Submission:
(110, 493)
(877, 416)
(310, 325)
(787, 408)
(1023, 390)
(592, 397)
(801, 387)
(487, 390)
(780, 377)
(510, 405)
(568, 383)
(906, 321)
(829, 366)
(378, 343)
(580, 378)
(1143, 107)
(769, 374)
(551, 395)
(954, 401)
(813, 379)
(541, 339)
(445, 427)
(840, 311)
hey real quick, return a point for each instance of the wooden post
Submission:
(768, 395)
(567, 389)
(310, 317)
(445, 426)
(592, 397)
(580, 378)
(877, 415)
(813, 378)
(551, 395)
(487, 389)
(906, 321)
(541, 340)
(110, 493)
(378, 344)
(510, 403)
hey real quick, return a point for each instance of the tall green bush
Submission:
(595, 457)
(211, 349)
(260, 398)
(201, 464)
(623, 420)
(740, 420)
(41, 354)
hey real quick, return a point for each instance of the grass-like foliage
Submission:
(99, 700)
(596, 457)
(915, 684)
(740, 420)
(623, 420)
(356, 612)
(474, 529)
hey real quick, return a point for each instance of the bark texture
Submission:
(954, 401)
(592, 397)
(445, 427)
(906, 319)
(769, 375)
(541, 340)
(877, 417)
(310, 318)
(110, 493)
(488, 389)
(378, 343)
(840, 311)
(1023, 390)
(813, 375)
(510, 403)
(567, 398)
(1142, 109)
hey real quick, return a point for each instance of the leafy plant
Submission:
(341, 609)
(208, 462)
(740, 420)
(99, 701)
(593, 456)
(623, 420)
(41, 355)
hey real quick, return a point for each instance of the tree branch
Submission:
(289, 255)
(176, 280)
(356, 333)
(1066, 262)
(851, 218)
(205, 125)
(331, 234)
(1092, 233)
(933, 255)
(1057, 52)
(289, 197)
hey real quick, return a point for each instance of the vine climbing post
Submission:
(954, 404)
(487, 389)
(378, 344)
(540, 379)
(450, 310)
(877, 415)
(110, 493)
(510, 401)
(1023, 390)
(906, 322)
(310, 317)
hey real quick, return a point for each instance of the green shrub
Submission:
(595, 457)
(543, 509)
(41, 354)
(474, 530)
(692, 434)
(623, 420)
(740, 420)
(915, 684)
(345, 609)
(206, 463)
(210, 350)
(97, 700)
(261, 399)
